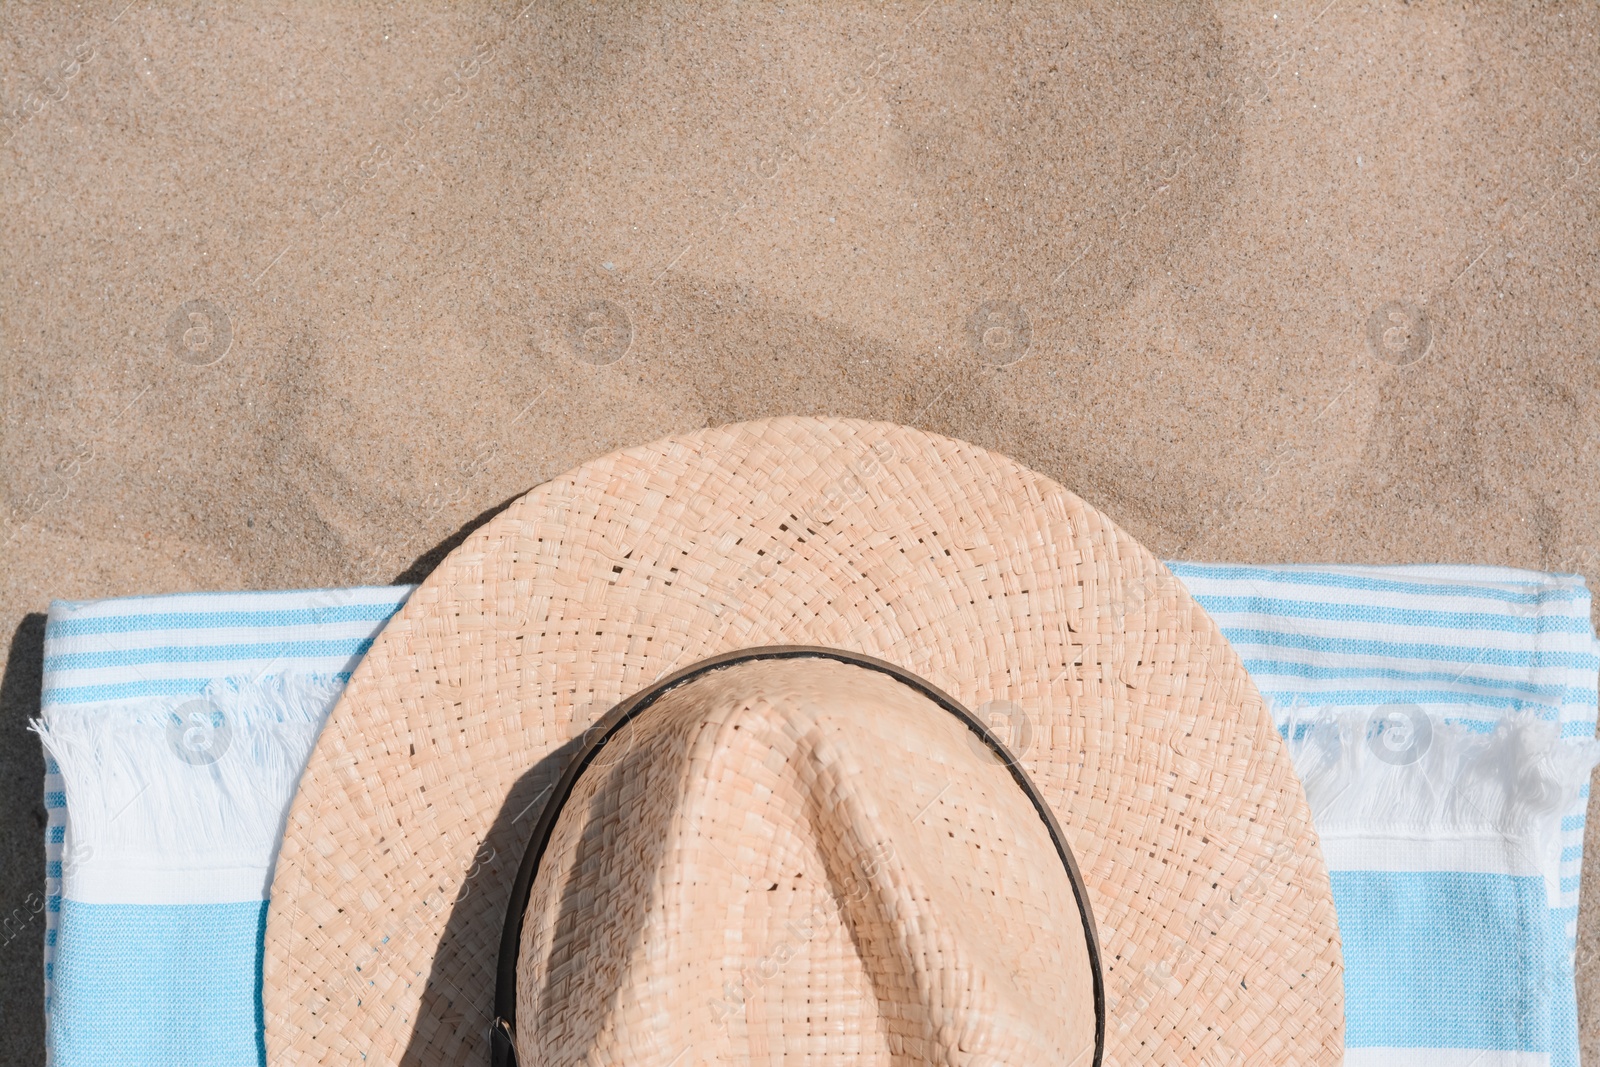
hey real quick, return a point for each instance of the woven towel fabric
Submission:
(1443, 721)
(156, 892)
(1458, 940)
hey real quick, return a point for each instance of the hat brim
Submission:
(1123, 702)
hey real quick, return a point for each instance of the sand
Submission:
(292, 294)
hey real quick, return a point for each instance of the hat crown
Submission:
(801, 860)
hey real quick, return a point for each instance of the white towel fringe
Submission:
(1444, 780)
(203, 782)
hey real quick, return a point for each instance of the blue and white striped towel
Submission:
(176, 728)
(1442, 717)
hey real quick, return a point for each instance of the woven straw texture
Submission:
(802, 861)
(1120, 697)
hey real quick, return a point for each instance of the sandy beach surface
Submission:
(290, 294)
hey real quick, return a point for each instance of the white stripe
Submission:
(212, 636)
(288, 600)
(1307, 593)
(127, 884)
(1532, 582)
(1394, 690)
(148, 672)
(1482, 853)
(1405, 633)
(1466, 573)
(1573, 679)
(1563, 597)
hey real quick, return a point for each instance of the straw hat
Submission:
(935, 586)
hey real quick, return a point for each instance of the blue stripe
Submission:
(157, 687)
(402, 591)
(1445, 960)
(1477, 726)
(209, 620)
(1494, 657)
(1577, 728)
(1299, 669)
(1442, 620)
(159, 984)
(1414, 587)
(1362, 698)
(123, 657)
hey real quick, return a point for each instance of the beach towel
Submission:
(1442, 719)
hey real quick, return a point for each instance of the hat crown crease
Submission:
(933, 982)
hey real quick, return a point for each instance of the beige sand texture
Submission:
(292, 293)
